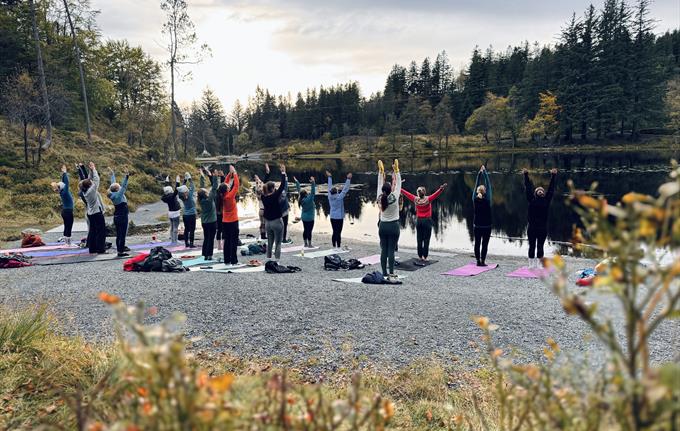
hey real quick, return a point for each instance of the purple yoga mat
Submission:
(526, 272)
(370, 260)
(77, 251)
(48, 247)
(470, 270)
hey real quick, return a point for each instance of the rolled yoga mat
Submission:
(526, 272)
(471, 269)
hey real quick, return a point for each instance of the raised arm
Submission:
(283, 185)
(477, 181)
(528, 186)
(297, 185)
(551, 187)
(113, 176)
(434, 195)
(64, 179)
(396, 183)
(234, 188)
(381, 181)
(94, 176)
(410, 196)
(345, 188)
(330, 184)
(124, 184)
(489, 188)
(313, 192)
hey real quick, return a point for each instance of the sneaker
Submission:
(123, 254)
(126, 248)
(208, 258)
(287, 241)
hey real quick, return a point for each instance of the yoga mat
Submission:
(431, 253)
(413, 264)
(198, 261)
(357, 280)
(526, 272)
(322, 253)
(246, 269)
(298, 248)
(471, 269)
(78, 250)
(370, 260)
(66, 260)
(218, 267)
(52, 246)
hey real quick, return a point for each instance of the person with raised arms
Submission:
(423, 204)
(170, 198)
(481, 201)
(272, 214)
(206, 199)
(336, 202)
(308, 213)
(388, 227)
(96, 235)
(539, 206)
(186, 195)
(62, 187)
(230, 230)
(120, 212)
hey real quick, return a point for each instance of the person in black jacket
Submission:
(481, 201)
(539, 205)
(273, 214)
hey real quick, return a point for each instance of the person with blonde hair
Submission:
(539, 206)
(62, 187)
(423, 204)
(482, 222)
(388, 227)
(121, 212)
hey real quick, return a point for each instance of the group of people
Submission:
(88, 191)
(220, 218)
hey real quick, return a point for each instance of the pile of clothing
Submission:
(377, 277)
(335, 263)
(273, 267)
(253, 249)
(14, 260)
(158, 259)
(31, 238)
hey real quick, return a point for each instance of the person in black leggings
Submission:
(539, 205)
(481, 200)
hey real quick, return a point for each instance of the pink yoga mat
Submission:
(526, 272)
(370, 260)
(61, 246)
(470, 270)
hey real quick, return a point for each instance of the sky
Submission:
(287, 46)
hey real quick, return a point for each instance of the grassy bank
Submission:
(49, 379)
(27, 198)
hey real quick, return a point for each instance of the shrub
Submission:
(20, 331)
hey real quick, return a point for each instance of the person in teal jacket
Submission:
(208, 212)
(186, 195)
(308, 210)
(62, 187)
(120, 213)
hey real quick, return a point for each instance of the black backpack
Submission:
(155, 259)
(272, 267)
(332, 263)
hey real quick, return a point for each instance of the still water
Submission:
(616, 173)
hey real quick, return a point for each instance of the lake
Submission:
(616, 173)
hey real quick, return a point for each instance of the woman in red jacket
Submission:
(424, 217)
(230, 229)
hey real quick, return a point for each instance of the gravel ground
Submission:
(307, 317)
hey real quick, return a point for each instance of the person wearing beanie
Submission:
(170, 198)
(423, 204)
(186, 195)
(121, 212)
(62, 187)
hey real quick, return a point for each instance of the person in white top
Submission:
(388, 227)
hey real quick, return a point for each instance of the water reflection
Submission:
(616, 173)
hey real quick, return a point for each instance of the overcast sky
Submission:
(289, 45)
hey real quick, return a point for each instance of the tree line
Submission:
(609, 74)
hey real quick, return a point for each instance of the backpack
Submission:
(272, 267)
(173, 265)
(154, 261)
(374, 277)
(353, 264)
(332, 263)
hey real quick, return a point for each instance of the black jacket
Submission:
(272, 207)
(172, 200)
(482, 212)
(538, 207)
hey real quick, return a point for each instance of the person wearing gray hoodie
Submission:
(96, 235)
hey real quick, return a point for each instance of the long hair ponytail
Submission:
(386, 190)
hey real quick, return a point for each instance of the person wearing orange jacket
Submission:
(230, 217)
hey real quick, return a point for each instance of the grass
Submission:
(27, 198)
(45, 375)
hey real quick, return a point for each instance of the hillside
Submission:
(27, 198)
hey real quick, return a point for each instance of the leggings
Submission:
(423, 234)
(307, 231)
(218, 227)
(537, 238)
(209, 238)
(336, 224)
(67, 216)
(482, 235)
(230, 233)
(263, 229)
(274, 233)
(174, 229)
(284, 219)
(389, 236)
(96, 235)
(121, 223)
(189, 229)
